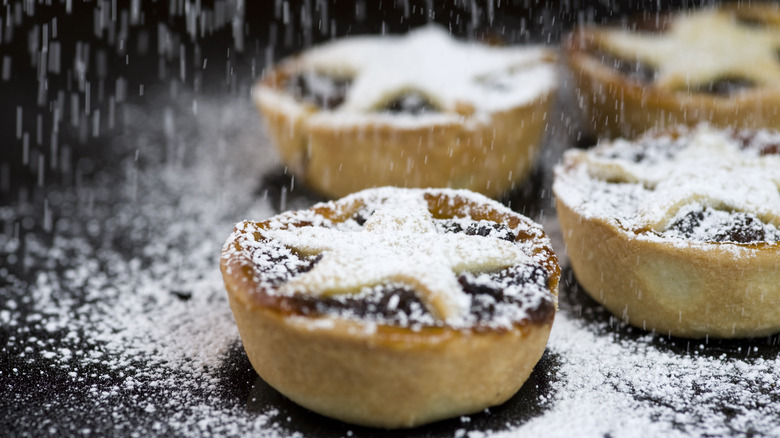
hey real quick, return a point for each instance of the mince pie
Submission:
(393, 307)
(420, 110)
(678, 232)
(719, 65)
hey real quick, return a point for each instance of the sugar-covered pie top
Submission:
(403, 257)
(702, 185)
(719, 51)
(403, 78)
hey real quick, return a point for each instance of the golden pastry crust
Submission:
(647, 271)
(460, 145)
(380, 374)
(619, 104)
(693, 292)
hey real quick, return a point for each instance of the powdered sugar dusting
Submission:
(707, 33)
(429, 61)
(399, 241)
(645, 184)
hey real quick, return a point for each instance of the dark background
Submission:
(270, 31)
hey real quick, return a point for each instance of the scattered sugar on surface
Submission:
(640, 386)
(130, 306)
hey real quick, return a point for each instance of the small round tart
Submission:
(393, 307)
(718, 65)
(420, 110)
(678, 232)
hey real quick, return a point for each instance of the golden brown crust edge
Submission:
(612, 105)
(489, 158)
(687, 291)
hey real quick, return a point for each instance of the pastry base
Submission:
(385, 377)
(490, 158)
(693, 291)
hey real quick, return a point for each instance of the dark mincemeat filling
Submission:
(409, 103)
(737, 227)
(399, 304)
(483, 229)
(391, 303)
(487, 300)
(324, 91)
(751, 22)
(642, 72)
(724, 86)
(281, 265)
(362, 216)
(329, 92)
(767, 146)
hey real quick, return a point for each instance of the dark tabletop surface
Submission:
(128, 149)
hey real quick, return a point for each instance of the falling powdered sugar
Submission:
(118, 318)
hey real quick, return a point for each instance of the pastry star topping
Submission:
(711, 170)
(703, 47)
(398, 243)
(428, 61)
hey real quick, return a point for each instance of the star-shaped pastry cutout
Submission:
(711, 169)
(399, 243)
(452, 74)
(701, 47)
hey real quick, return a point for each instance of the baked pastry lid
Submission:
(646, 184)
(467, 81)
(238, 262)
